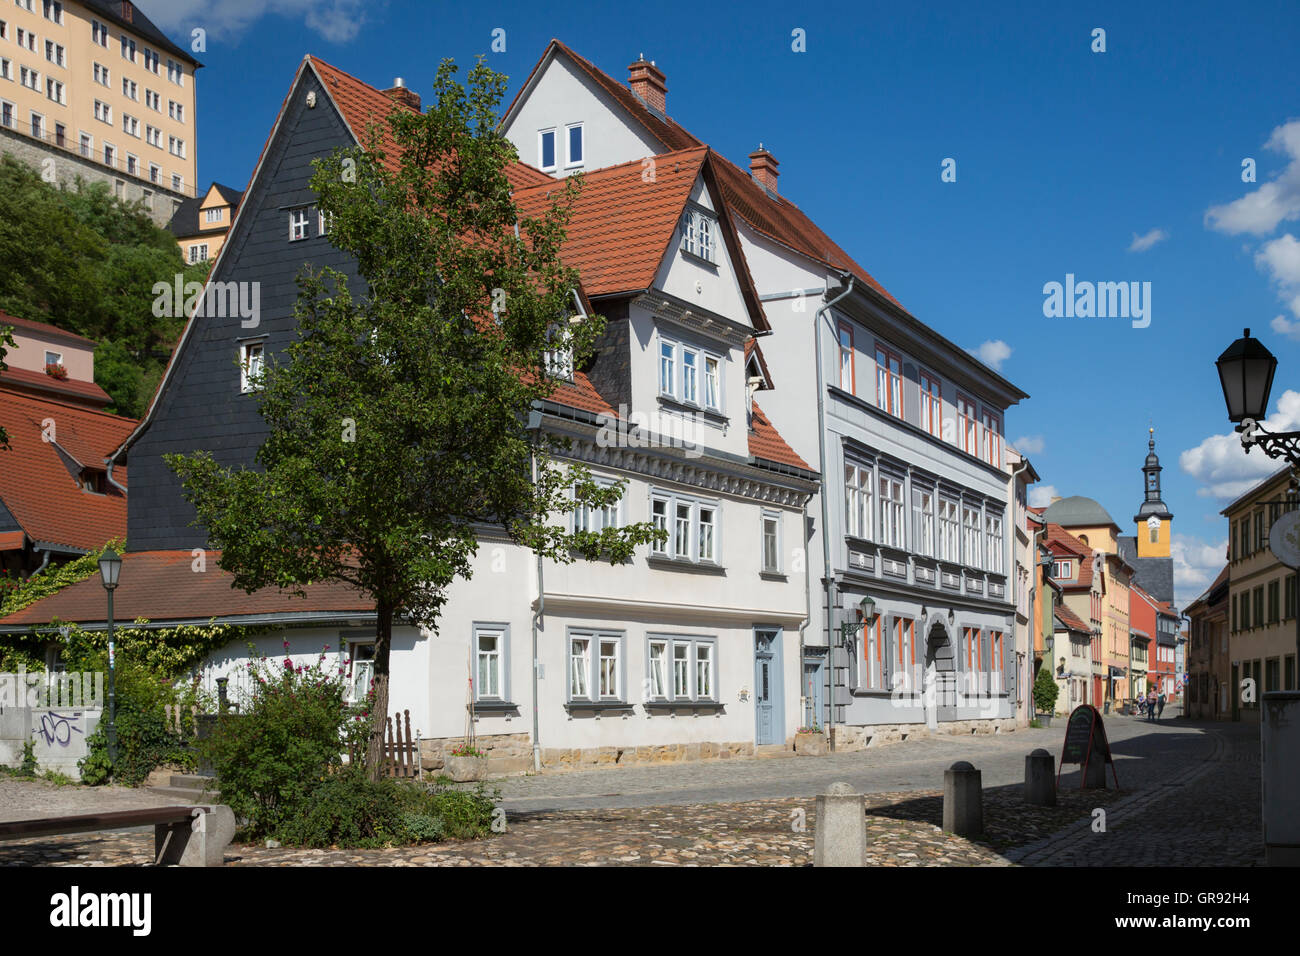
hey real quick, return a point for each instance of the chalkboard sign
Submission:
(1085, 742)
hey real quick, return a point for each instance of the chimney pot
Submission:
(762, 166)
(647, 82)
(402, 94)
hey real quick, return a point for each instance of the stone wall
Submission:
(510, 754)
(59, 735)
(69, 165)
(848, 738)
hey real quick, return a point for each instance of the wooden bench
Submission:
(183, 836)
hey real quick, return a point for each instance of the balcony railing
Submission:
(141, 172)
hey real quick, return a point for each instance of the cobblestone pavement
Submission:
(903, 830)
(1190, 797)
(1209, 818)
(1146, 755)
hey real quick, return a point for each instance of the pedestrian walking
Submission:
(1160, 705)
(1151, 706)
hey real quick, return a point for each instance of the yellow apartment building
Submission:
(94, 89)
(1261, 598)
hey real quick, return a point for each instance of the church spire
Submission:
(1152, 503)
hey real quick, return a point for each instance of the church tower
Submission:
(1154, 520)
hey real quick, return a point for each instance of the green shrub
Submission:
(463, 814)
(28, 767)
(348, 809)
(290, 740)
(1045, 691)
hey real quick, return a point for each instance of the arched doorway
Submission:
(941, 675)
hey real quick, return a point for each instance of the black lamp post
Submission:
(110, 566)
(1246, 371)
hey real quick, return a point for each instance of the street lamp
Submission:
(110, 566)
(1246, 371)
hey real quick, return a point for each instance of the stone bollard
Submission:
(963, 809)
(1279, 755)
(841, 837)
(1040, 779)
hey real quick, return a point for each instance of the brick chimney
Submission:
(128, 11)
(399, 91)
(762, 166)
(647, 82)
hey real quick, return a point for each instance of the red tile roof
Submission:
(777, 218)
(1060, 541)
(37, 487)
(43, 327)
(26, 380)
(767, 444)
(1071, 620)
(163, 586)
(581, 394)
(621, 225)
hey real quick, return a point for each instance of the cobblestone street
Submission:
(1190, 797)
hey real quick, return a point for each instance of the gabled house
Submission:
(1072, 665)
(687, 651)
(200, 224)
(905, 427)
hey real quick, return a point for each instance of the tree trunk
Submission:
(379, 706)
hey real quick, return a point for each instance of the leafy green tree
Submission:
(87, 262)
(404, 420)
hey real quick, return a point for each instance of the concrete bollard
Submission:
(841, 837)
(963, 808)
(1040, 779)
(1279, 756)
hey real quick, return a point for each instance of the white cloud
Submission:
(992, 353)
(1222, 465)
(1145, 242)
(1040, 496)
(1029, 444)
(1280, 258)
(1258, 212)
(1284, 326)
(336, 21)
(1196, 564)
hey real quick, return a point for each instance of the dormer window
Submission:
(559, 357)
(1063, 570)
(212, 215)
(690, 375)
(546, 150)
(699, 234)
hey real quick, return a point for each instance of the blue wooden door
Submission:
(767, 687)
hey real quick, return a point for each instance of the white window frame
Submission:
(98, 33)
(103, 76)
(500, 656)
(55, 7)
(56, 53)
(58, 357)
(36, 124)
(558, 361)
(11, 111)
(591, 666)
(25, 73)
(150, 57)
(923, 520)
(55, 91)
(152, 100)
(690, 385)
(972, 535)
(130, 125)
(127, 43)
(6, 69)
(695, 650)
(950, 529)
(357, 668)
(103, 112)
(993, 538)
(298, 220)
(690, 549)
(569, 161)
(931, 403)
(251, 353)
(85, 144)
(892, 493)
(195, 248)
(859, 499)
(848, 358)
(700, 236)
(671, 367)
(110, 156)
(770, 521)
(131, 89)
(209, 217)
(26, 39)
(596, 520)
(541, 151)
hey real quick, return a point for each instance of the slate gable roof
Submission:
(1154, 575)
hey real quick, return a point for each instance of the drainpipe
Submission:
(43, 564)
(807, 587)
(537, 620)
(1024, 464)
(826, 531)
(109, 475)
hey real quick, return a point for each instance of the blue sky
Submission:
(1064, 156)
